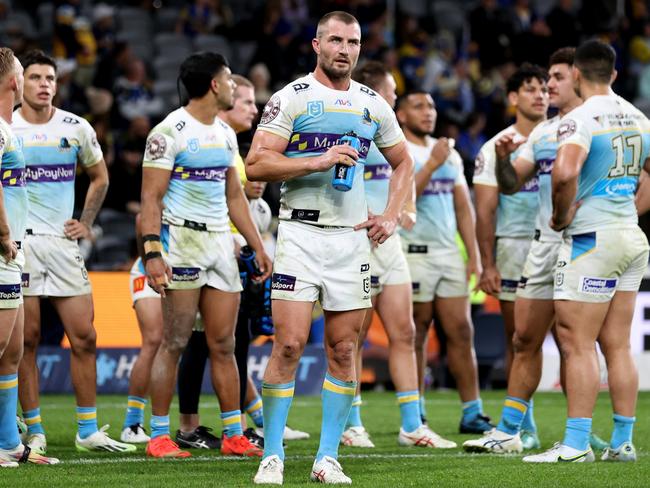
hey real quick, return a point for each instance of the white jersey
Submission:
(313, 118)
(198, 157)
(12, 176)
(52, 151)
(515, 213)
(616, 136)
(541, 150)
(436, 214)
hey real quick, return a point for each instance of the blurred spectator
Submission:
(205, 17)
(126, 174)
(69, 95)
(66, 44)
(113, 65)
(490, 34)
(563, 22)
(471, 139)
(453, 93)
(439, 60)
(412, 53)
(261, 79)
(104, 28)
(529, 34)
(134, 95)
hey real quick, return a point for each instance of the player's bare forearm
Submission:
(96, 194)
(642, 197)
(422, 178)
(564, 194)
(240, 213)
(264, 164)
(466, 220)
(154, 186)
(487, 199)
(507, 177)
(401, 180)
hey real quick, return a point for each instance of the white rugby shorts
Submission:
(511, 255)
(388, 265)
(591, 267)
(327, 264)
(537, 277)
(54, 267)
(11, 280)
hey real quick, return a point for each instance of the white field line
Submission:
(303, 457)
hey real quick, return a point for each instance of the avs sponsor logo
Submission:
(365, 268)
(343, 102)
(180, 126)
(193, 146)
(283, 282)
(366, 285)
(39, 137)
(298, 87)
(566, 129)
(185, 274)
(24, 278)
(271, 110)
(597, 286)
(10, 292)
(366, 118)
(374, 282)
(316, 108)
(367, 91)
(70, 120)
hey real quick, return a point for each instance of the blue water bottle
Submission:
(344, 175)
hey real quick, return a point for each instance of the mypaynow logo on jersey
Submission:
(615, 187)
(48, 173)
(114, 369)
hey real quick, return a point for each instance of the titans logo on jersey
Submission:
(313, 118)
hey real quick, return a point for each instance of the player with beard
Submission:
(190, 189)
(322, 250)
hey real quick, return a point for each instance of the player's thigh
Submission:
(422, 317)
(77, 315)
(179, 309)
(14, 351)
(219, 313)
(454, 317)
(148, 311)
(32, 321)
(396, 311)
(292, 323)
(579, 323)
(534, 319)
(615, 334)
(343, 327)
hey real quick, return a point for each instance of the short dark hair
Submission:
(344, 17)
(372, 74)
(525, 73)
(401, 100)
(198, 70)
(36, 56)
(595, 60)
(564, 55)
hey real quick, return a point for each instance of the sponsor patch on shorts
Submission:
(374, 281)
(418, 249)
(138, 284)
(597, 286)
(283, 282)
(509, 286)
(24, 278)
(185, 274)
(415, 286)
(10, 292)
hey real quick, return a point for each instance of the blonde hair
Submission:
(7, 63)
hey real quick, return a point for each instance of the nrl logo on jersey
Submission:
(315, 109)
(193, 146)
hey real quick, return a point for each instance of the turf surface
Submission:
(386, 465)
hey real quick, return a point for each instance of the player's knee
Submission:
(151, 342)
(462, 335)
(222, 347)
(344, 352)
(523, 342)
(403, 336)
(290, 350)
(84, 342)
(31, 339)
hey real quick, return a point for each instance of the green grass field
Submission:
(387, 465)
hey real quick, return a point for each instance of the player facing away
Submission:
(505, 224)
(54, 142)
(190, 189)
(390, 284)
(602, 149)
(13, 216)
(534, 310)
(440, 278)
(322, 249)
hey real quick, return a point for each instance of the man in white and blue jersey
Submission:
(322, 251)
(190, 191)
(13, 216)
(440, 277)
(54, 142)
(505, 224)
(390, 282)
(603, 145)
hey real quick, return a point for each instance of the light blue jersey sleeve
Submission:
(12, 172)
